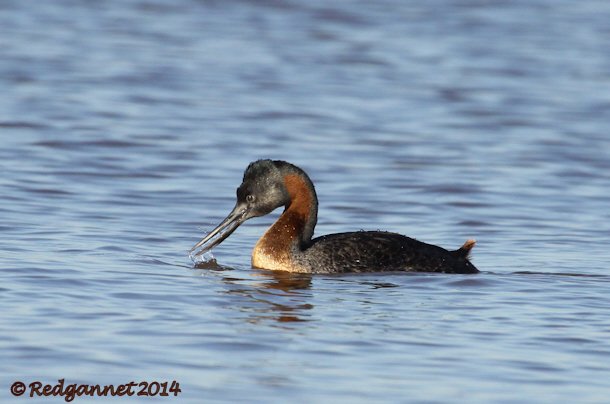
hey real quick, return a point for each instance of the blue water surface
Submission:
(125, 129)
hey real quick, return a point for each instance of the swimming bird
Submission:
(288, 245)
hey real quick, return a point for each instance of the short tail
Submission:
(464, 250)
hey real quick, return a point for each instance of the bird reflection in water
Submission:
(271, 295)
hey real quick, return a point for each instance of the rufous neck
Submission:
(303, 204)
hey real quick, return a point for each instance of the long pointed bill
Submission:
(222, 231)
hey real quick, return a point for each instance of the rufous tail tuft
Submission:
(464, 250)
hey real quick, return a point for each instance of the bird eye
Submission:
(250, 198)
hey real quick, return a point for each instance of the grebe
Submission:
(288, 245)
